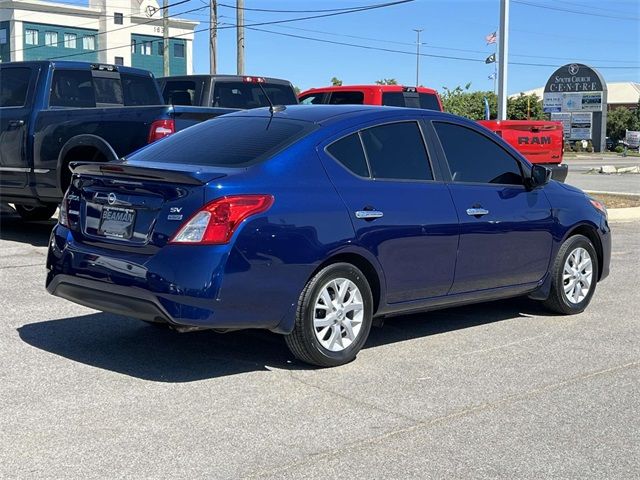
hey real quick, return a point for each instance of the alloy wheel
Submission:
(338, 314)
(577, 275)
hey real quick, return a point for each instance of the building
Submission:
(619, 94)
(121, 32)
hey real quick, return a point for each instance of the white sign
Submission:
(592, 101)
(581, 125)
(552, 102)
(632, 138)
(572, 102)
(565, 118)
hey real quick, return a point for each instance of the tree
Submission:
(296, 90)
(336, 82)
(525, 107)
(621, 119)
(387, 81)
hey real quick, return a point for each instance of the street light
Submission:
(418, 30)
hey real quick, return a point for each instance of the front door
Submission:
(15, 83)
(399, 212)
(505, 228)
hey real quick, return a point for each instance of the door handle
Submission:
(15, 123)
(477, 211)
(369, 214)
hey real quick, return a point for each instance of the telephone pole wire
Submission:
(240, 35)
(418, 55)
(213, 37)
(503, 56)
(165, 38)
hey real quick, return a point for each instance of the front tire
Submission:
(333, 318)
(574, 276)
(35, 214)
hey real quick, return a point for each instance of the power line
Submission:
(314, 11)
(559, 9)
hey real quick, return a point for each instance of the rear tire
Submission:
(35, 214)
(333, 318)
(574, 276)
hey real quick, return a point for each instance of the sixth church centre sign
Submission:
(577, 95)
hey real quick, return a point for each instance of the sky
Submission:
(547, 32)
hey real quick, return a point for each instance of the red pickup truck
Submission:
(540, 141)
(389, 95)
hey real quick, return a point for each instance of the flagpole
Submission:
(503, 44)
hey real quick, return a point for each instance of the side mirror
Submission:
(539, 176)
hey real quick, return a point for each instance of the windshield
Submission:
(249, 95)
(226, 142)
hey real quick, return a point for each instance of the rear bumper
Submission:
(559, 171)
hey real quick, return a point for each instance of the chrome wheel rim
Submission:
(338, 313)
(577, 275)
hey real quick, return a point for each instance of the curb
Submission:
(628, 214)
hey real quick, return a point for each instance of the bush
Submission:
(577, 146)
(567, 146)
(589, 147)
(619, 149)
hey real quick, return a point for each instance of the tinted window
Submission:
(396, 150)
(429, 101)
(226, 142)
(312, 99)
(472, 157)
(393, 99)
(178, 50)
(139, 90)
(249, 95)
(347, 98)
(108, 90)
(72, 88)
(182, 92)
(13, 86)
(348, 151)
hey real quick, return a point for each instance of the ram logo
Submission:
(534, 140)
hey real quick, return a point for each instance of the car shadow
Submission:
(155, 353)
(14, 229)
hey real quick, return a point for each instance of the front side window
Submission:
(312, 99)
(178, 50)
(51, 39)
(347, 98)
(70, 40)
(474, 158)
(348, 151)
(397, 151)
(89, 42)
(13, 87)
(72, 88)
(31, 36)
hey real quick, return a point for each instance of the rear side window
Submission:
(72, 88)
(348, 151)
(347, 98)
(246, 95)
(14, 83)
(474, 158)
(396, 150)
(312, 99)
(139, 90)
(182, 92)
(226, 142)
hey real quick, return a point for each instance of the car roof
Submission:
(238, 78)
(326, 114)
(376, 87)
(76, 65)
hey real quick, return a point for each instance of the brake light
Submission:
(216, 222)
(254, 79)
(63, 215)
(160, 129)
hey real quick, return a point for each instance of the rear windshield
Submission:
(182, 92)
(411, 99)
(226, 142)
(13, 86)
(249, 95)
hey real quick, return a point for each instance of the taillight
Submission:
(63, 215)
(216, 222)
(160, 129)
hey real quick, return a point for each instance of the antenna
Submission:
(272, 108)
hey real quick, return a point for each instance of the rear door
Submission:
(505, 228)
(400, 212)
(16, 96)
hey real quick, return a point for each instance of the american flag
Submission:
(491, 38)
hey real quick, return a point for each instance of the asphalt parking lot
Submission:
(501, 390)
(579, 167)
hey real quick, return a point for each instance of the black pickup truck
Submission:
(56, 112)
(226, 91)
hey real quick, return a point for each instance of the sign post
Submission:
(581, 92)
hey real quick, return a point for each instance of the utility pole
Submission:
(418, 56)
(165, 38)
(240, 35)
(503, 56)
(213, 37)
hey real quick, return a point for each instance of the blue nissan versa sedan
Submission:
(310, 221)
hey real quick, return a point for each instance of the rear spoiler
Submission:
(130, 172)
